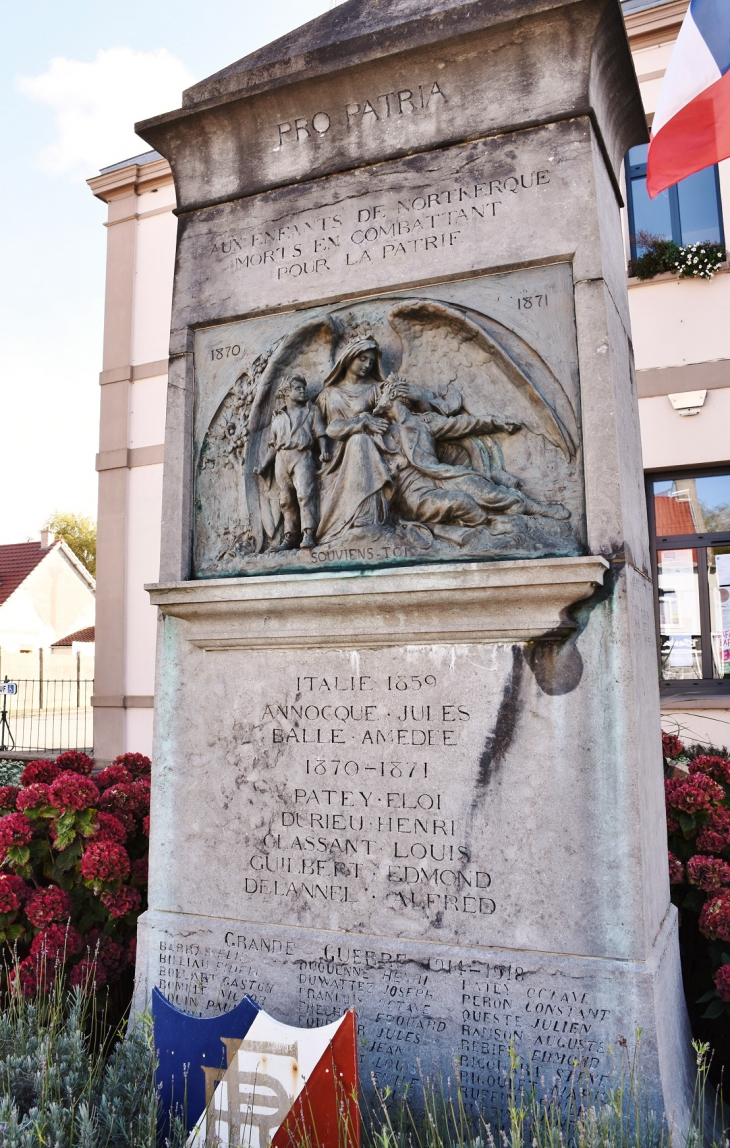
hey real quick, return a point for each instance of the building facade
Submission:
(681, 345)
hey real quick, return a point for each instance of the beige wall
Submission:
(681, 338)
(140, 262)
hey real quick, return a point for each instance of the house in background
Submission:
(45, 595)
(682, 345)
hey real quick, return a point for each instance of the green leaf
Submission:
(708, 996)
(86, 822)
(717, 1008)
(687, 823)
(69, 856)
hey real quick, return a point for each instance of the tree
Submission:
(79, 534)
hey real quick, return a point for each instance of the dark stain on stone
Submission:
(499, 741)
(557, 664)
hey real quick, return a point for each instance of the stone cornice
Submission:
(655, 25)
(456, 603)
(134, 177)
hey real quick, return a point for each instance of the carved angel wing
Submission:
(496, 371)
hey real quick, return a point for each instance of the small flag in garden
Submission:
(285, 1087)
(691, 127)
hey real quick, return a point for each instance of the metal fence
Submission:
(48, 716)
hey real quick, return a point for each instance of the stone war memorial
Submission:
(408, 753)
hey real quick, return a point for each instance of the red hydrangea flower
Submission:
(124, 798)
(715, 837)
(146, 826)
(693, 795)
(109, 828)
(71, 791)
(122, 901)
(715, 917)
(35, 796)
(717, 768)
(722, 982)
(33, 975)
(142, 789)
(671, 745)
(710, 873)
(8, 796)
(47, 905)
(87, 973)
(75, 761)
(57, 942)
(136, 763)
(13, 892)
(105, 861)
(41, 770)
(676, 870)
(15, 829)
(132, 951)
(672, 824)
(140, 870)
(102, 949)
(128, 820)
(112, 775)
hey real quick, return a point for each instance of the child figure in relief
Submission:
(294, 433)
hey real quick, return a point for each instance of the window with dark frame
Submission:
(689, 524)
(688, 212)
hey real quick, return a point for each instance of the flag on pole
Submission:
(691, 127)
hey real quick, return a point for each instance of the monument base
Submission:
(450, 1010)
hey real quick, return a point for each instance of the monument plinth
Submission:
(407, 749)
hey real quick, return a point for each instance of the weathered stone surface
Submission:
(448, 1009)
(421, 79)
(385, 772)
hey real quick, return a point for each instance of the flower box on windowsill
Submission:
(665, 276)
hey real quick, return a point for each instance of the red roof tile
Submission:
(16, 562)
(85, 635)
(673, 516)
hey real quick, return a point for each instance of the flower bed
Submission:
(697, 790)
(73, 869)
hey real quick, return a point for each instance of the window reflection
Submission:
(687, 212)
(653, 216)
(679, 614)
(692, 505)
(699, 216)
(718, 569)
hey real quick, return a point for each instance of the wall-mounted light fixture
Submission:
(688, 402)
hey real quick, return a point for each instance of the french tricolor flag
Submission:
(691, 127)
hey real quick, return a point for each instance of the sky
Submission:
(74, 77)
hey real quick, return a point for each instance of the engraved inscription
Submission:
(407, 101)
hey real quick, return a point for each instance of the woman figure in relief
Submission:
(356, 484)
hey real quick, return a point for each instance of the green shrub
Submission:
(658, 255)
(67, 1081)
(10, 771)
